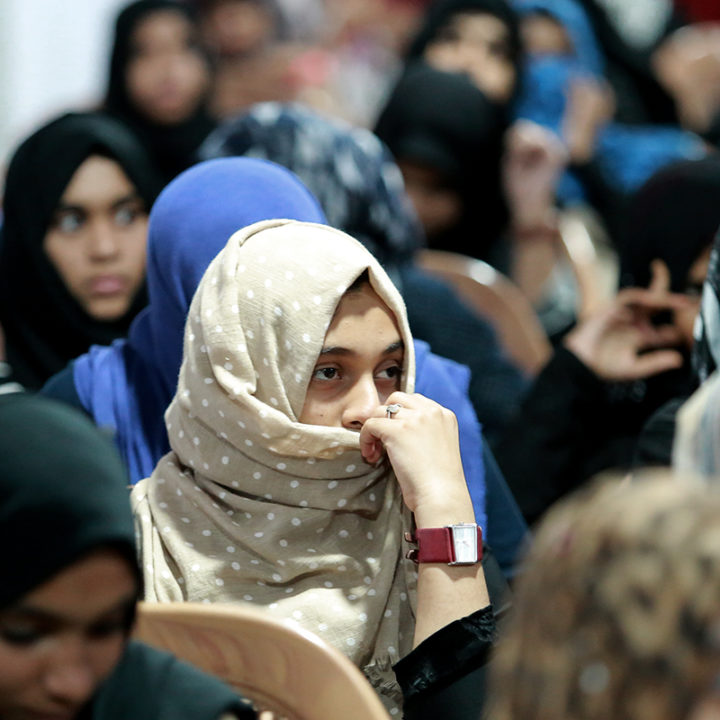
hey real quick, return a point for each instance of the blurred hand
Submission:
(533, 161)
(591, 104)
(621, 342)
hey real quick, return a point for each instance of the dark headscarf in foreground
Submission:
(172, 147)
(128, 385)
(44, 325)
(442, 121)
(62, 496)
(62, 493)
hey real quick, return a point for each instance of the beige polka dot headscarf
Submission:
(253, 506)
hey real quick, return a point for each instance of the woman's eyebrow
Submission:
(30, 612)
(339, 350)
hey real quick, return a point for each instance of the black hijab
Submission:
(62, 493)
(62, 496)
(673, 217)
(44, 325)
(172, 147)
(443, 121)
(441, 12)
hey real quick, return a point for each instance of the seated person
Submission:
(71, 581)
(301, 457)
(160, 80)
(616, 612)
(72, 250)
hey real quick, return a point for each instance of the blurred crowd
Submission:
(560, 155)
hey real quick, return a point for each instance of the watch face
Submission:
(465, 543)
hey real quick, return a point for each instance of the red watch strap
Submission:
(435, 545)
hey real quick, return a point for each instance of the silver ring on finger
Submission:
(391, 410)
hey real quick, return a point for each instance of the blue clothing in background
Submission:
(627, 155)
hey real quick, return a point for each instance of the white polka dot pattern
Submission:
(280, 515)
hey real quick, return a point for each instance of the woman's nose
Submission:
(69, 677)
(103, 243)
(362, 400)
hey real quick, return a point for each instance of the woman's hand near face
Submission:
(421, 442)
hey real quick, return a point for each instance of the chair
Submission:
(497, 299)
(284, 670)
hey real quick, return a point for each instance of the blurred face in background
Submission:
(543, 35)
(437, 203)
(477, 44)
(97, 239)
(168, 75)
(235, 28)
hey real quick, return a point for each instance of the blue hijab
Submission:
(128, 385)
(627, 154)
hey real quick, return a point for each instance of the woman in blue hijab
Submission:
(623, 156)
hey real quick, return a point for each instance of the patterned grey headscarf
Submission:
(348, 169)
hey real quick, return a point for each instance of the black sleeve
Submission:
(438, 316)
(444, 675)
(543, 451)
(61, 386)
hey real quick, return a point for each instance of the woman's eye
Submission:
(108, 628)
(327, 373)
(68, 221)
(20, 635)
(126, 215)
(391, 373)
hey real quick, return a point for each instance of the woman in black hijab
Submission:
(447, 138)
(160, 81)
(72, 249)
(70, 582)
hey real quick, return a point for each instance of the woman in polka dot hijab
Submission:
(255, 505)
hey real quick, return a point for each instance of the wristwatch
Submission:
(453, 544)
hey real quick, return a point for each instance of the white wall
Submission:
(54, 56)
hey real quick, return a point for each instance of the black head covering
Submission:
(172, 147)
(441, 12)
(62, 493)
(44, 325)
(442, 120)
(673, 217)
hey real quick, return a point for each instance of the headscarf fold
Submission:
(128, 385)
(62, 493)
(44, 325)
(252, 505)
